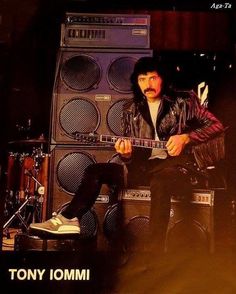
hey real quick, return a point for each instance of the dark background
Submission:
(196, 42)
(180, 33)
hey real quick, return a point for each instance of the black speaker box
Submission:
(190, 225)
(91, 86)
(67, 166)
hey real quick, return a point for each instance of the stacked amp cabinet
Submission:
(92, 81)
(191, 222)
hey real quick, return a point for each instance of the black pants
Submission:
(169, 177)
(95, 175)
(165, 178)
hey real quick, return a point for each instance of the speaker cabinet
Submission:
(90, 88)
(190, 225)
(67, 166)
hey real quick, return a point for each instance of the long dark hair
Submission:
(142, 66)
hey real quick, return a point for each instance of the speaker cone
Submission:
(110, 225)
(138, 227)
(119, 73)
(193, 235)
(114, 117)
(81, 73)
(79, 115)
(70, 170)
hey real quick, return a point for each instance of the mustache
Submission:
(149, 90)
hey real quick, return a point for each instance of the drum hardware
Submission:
(38, 156)
(29, 142)
(33, 200)
(12, 196)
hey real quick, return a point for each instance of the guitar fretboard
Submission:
(137, 142)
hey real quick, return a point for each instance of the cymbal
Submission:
(28, 141)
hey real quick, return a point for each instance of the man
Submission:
(152, 114)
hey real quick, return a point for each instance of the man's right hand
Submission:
(124, 147)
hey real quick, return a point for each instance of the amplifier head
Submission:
(106, 30)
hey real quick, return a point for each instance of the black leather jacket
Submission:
(176, 116)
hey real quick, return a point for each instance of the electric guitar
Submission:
(111, 140)
(206, 153)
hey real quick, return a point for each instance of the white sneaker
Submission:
(58, 224)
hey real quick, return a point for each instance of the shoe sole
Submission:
(49, 236)
(55, 232)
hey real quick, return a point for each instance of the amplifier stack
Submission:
(95, 60)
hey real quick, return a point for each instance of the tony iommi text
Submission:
(51, 274)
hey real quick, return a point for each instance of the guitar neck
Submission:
(137, 142)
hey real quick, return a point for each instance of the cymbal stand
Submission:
(38, 159)
(18, 214)
(27, 201)
(30, 199)
(38, 200)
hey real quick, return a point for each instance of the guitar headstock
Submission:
(87, 138)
